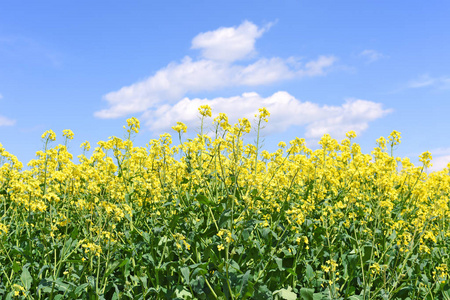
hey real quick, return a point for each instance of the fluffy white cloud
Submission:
(427, 81)
(439, 163)
(214, 72)
(229, 43)
(285, 109)
(441, 157)
(371, 55)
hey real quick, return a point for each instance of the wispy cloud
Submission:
(27, 50)
(426, 80)
(371, 55)
(4, 121)
(285, 109)
(215, 70)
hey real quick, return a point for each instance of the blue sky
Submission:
(318, 66)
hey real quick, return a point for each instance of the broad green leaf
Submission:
(262, 292)
(286, 294)
(182, 293)
(224, 218)
(307, 294)
(16, 267)
(203, 200)
(244, 280)
(26, 278)
(79, 289)
(279, 262)
(185, 273)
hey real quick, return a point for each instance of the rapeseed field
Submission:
(214, 218)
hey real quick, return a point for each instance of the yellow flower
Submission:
(68, 133)
(222, 120)
(381, 143)
(220, 247)
(86, 146)
(93, 248)
(245, 125)
(133, 125)
(205, 110)
(426, 158)
(49, 134)
(3, 229)
(394, 138)
(180, 127)
(375, 268)
(263, 114)
(351, 134)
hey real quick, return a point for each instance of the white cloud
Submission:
(439, 163)
(441, 157)
(427, 81)
(4, 121)
(27, 50)
(285, 111)
(229, 43)
(317, 67)
(371, 55)
(214, 72)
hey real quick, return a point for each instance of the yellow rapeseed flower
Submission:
(426, 158)
(205, 110)
(133, 125)
(263, 114)
(180, 127)
(49, 134)
(351, 134)
(68, 134)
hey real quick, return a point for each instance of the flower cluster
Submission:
(298, 210)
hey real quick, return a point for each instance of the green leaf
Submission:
(115, 265)
(224, 217)
(45, 286)
(198, 284)
(367, 250)
(307, 294)
(16, 267)
(115, 296)
(26, 278)
(182, 293)
(81, 288)
(246, 234)
(244, 280)
(309, 272)
(286, 294)
(356, 297)
(185, 273)
(279, 262)
(203, 199)
(262, 292)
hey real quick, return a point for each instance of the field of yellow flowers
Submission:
(212, 218)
